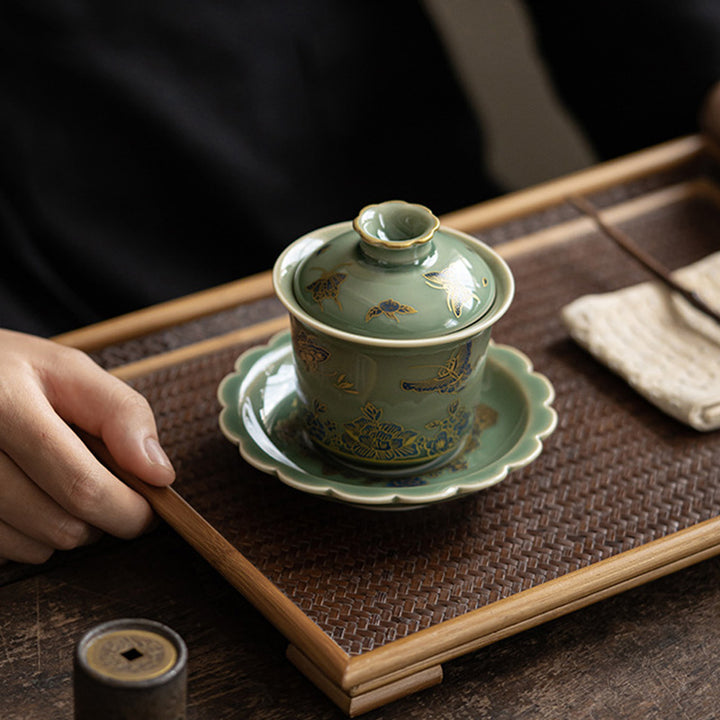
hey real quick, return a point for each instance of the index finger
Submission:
(58, 461)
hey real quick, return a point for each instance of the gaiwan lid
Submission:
(395, 273)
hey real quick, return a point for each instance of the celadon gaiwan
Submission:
(391, 316)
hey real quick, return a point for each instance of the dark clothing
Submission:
(151, 149)
(633, 73)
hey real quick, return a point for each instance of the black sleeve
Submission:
(633, 72)
(152, 149)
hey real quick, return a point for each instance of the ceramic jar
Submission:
(391, 316)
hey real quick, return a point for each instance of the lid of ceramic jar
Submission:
(396, 274)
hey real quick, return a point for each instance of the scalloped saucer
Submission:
(260, 415)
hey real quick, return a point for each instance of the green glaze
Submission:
(262, 413)
(395, 224)
(388, 408)
(389, 357)
(394, 274)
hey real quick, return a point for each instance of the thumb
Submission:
(85, 395)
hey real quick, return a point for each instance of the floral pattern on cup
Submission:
(373, 440)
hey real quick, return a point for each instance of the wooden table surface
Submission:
(651, 652)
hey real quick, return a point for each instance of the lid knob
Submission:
(396, 232)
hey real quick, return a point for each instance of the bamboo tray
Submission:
(373, 603)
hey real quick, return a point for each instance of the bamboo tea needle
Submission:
(647, 261)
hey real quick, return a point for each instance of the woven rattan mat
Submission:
(616, 474)
(512, 229)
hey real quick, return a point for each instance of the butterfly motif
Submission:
(390, 308)
(449, 378)
(308, 350)
(458, 285)
(327, 286)
(312, 354)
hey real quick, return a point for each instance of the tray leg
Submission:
(354, 705)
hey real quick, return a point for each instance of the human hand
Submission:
(54, 493)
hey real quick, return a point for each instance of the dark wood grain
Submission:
(653, 652)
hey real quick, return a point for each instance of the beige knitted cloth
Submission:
(662, 346)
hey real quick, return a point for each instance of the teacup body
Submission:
(388, 410)
(371, 397)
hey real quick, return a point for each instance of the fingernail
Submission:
(156, 454)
